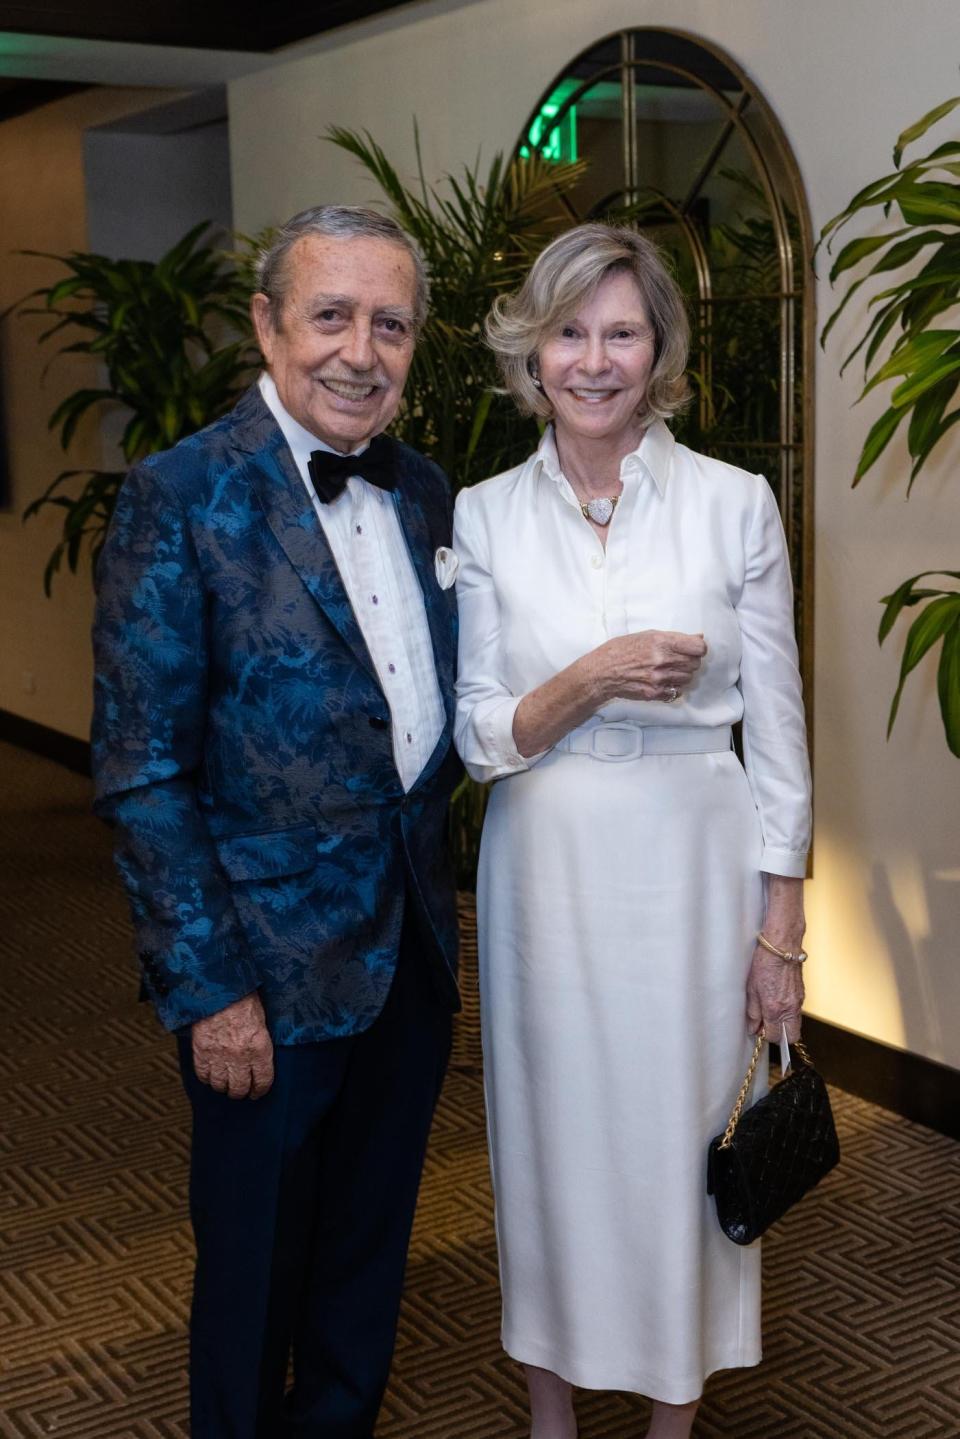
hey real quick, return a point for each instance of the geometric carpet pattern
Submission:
(861, 1281)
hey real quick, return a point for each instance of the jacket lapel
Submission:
(274, 477)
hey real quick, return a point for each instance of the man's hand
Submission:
(233, 1051)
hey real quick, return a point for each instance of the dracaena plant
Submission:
(173, 344)
(911, 341)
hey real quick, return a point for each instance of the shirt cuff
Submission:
(790, 863)
(494, 734)
(497, 735)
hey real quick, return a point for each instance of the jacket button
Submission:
(378, 722)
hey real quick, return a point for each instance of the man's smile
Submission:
(353, 390)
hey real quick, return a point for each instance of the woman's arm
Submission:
(775, 758)
(647, 665)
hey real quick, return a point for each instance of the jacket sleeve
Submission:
(774, 734)
(150, 654)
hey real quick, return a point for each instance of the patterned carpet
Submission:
(862, 1300)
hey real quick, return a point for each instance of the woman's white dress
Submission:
(618, 903)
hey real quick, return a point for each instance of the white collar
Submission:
(302, 443)
(653, 456)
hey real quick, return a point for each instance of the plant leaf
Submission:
(931, 442)
(479, 420)
(919, 384)
(929, 626)
(880, 435)
(856, 250)
(948, 687)
(913, 354)
(921, 126)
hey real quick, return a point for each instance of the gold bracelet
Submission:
(782, 953)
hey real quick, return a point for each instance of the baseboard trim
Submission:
(40, 739)
(912, 1086)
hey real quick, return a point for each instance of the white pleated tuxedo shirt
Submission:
(365, 536)
(694, 545)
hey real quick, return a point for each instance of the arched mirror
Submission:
(677, 137)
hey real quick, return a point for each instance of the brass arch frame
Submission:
(796, 295)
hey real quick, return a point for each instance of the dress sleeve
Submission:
(483, 732)
(774, 735)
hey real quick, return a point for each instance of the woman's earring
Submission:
(534, 376)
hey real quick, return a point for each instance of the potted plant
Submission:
(172, 339)
(921, 202)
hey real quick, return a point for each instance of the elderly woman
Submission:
(623, 602)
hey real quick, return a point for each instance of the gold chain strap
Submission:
(797, 1048)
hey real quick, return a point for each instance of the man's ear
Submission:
(261, 314)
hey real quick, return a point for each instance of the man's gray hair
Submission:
(339, 222)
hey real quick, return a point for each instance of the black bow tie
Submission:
(330, 472)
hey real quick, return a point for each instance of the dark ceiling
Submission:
(266, 25)
(258, 28)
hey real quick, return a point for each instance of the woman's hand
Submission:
(649, 664)
(774, 996)
(775, 987)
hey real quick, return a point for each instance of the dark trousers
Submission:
(302, 1204)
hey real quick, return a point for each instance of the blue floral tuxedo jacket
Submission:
(242, 743)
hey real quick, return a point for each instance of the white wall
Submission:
(844, 78)
(45, 666)
(70, 179)
(177, 180)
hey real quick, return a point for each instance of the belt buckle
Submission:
(630, 748)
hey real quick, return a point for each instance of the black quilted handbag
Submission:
(770, 1156)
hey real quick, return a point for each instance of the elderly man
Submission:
(275, 659)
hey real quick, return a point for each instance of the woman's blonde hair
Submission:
(564, 275)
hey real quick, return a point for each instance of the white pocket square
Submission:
(446, 564)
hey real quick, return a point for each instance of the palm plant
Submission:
(923, 360)
(173, 340)
(479, 236)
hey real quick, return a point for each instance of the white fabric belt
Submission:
(620, 739)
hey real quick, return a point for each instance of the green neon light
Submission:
(557, 143)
